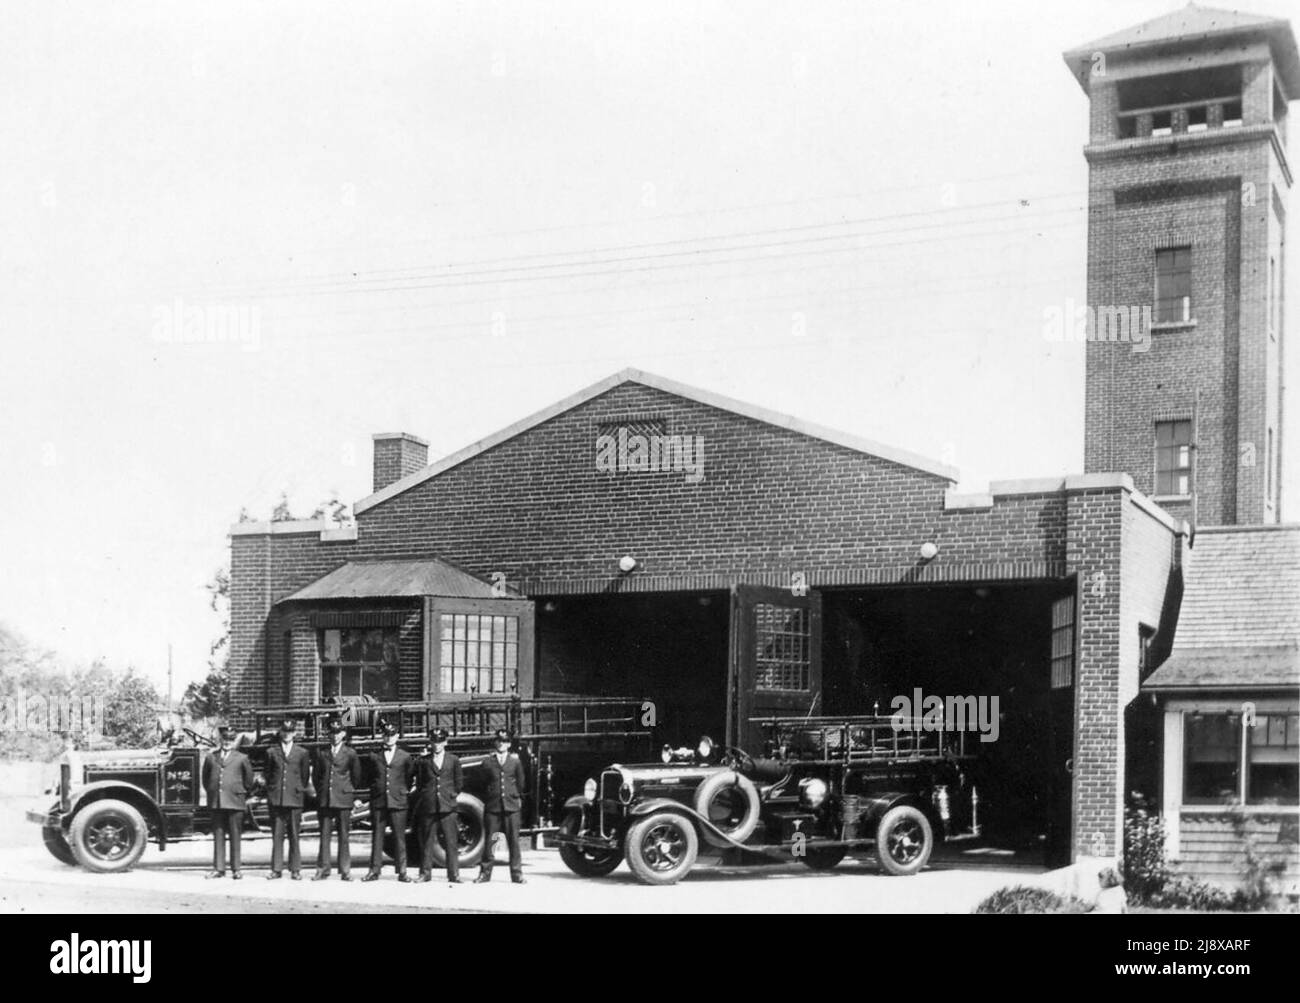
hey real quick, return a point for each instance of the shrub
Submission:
(1149, 880)
(1024, 899)
(1181, 891)
(1146, 870)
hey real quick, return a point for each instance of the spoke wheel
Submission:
(904, 840)
(661, 849)
(108, 836)
(583, 860)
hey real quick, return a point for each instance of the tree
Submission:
(130, 703)
(211, 697)
(334, 510)
(131, 708)
(281, 511)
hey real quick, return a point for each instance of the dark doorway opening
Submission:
(988, 641)
(670, 647)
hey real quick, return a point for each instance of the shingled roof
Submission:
(1239, 623)
(391, 579)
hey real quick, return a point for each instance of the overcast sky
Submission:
(443, 217)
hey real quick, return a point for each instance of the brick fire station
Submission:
(1139, 622)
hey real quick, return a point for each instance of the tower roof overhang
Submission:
(1189, 28)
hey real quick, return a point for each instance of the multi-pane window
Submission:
(1173, 458)
(1063, 642)
(480, 653)
(359, 662)
(1273, 760)
(1173, 285)
(783, 641)
(1217, 757)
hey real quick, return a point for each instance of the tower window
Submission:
(1173, 458)
(1173, 285)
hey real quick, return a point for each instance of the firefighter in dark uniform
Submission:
(337, 777)
(440, 779)
(392, 772)
(227, 778)
(288, 780)
(503, 806)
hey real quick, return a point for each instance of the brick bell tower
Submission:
(1188, 181)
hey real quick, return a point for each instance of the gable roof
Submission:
(389, 579)
(867, 446)
(1239, 623)
(1196, 24)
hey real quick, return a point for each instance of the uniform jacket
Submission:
(227, 778)
(438, 788)
(287, 780)
(506, 784)
(337, 776)
(389, 784)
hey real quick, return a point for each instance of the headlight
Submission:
(589, 790)
(705, 747)
(625, 793)
(667, 754)
(813, 791)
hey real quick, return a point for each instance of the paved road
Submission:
(173, 881)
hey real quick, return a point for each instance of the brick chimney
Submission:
(396, 455)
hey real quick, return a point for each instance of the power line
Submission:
(460, 280)
(875, 193)
(696, 311)
(470, 268)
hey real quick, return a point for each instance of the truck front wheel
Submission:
(108, 836)
(662, 848)
(581, 860)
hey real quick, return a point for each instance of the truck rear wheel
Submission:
(581, 860)
(108, 836)
(904, 840)
(661, 849)
(473, 833)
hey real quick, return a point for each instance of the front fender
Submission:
(641, 809)
(875, 807)
(577, 802)
(135, 796)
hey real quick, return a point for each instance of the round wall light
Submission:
(929, 551)
(626, 563)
